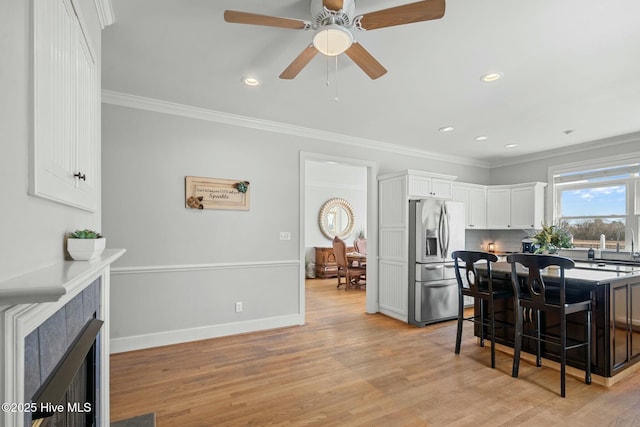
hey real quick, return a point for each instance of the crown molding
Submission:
(572, 149)
(166, 107)
(105, 12)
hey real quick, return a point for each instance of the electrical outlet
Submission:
(238, 306)
(285, 235)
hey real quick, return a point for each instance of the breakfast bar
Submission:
(615, 292)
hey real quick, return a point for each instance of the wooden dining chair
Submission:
(533, 296)
(352, 275)
(482, 289)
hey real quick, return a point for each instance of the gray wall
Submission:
(185, 269)
(32, 228)
(325, 181)
(537, 168)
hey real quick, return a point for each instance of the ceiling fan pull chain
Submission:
(327, 56)
(326, 82)
(336, 99)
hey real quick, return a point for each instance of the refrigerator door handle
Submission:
(441, 231)
(446, 231)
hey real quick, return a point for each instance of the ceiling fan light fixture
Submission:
(332, 40)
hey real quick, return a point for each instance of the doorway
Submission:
(361, 186)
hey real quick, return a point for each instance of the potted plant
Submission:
(552, 238)
(84, 245)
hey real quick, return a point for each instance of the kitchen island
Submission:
(615, 291)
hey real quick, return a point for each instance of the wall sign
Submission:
(214, 193)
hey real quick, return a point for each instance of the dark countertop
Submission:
(584, 273)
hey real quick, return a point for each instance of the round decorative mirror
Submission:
(336, 218)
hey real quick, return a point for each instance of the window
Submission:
(599, 201)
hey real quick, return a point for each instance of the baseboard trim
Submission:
(139, 342)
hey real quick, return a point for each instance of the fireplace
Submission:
(68, 397)
(62, 364)
(42, 314)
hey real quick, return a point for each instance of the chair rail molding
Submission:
(199, 267)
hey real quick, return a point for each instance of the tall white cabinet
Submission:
(395, 191)
(64, 158)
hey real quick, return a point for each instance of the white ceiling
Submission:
(567, 64)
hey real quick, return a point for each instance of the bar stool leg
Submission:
(460, 320)
(481, 323)
(517, 341)
(563, 354)
(538, 343)
(493, 332)
(587, 377)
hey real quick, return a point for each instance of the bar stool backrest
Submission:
(472, 279)
(535, 283)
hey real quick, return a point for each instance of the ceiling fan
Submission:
(334, 22)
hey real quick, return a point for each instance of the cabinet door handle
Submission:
(80, 176)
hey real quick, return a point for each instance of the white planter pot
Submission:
(85, 249)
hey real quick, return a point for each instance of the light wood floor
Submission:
(346, 367)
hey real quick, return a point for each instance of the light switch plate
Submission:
(285, 235)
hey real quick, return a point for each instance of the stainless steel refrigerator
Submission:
(436, 229)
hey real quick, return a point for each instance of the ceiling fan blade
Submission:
(237, 17)
(365, 60)
(299, 63)
(332, 4)
(405, 14)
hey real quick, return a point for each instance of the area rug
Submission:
(146, 420)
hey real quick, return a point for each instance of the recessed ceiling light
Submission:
(446, 129)
(491, 77)
(568, 131)
(481, 138)
(250, 81)
(510, 145)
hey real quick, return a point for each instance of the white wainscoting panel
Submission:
(161, 305)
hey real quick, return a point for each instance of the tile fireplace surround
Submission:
(28, 301)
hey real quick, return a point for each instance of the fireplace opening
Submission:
(68, 397)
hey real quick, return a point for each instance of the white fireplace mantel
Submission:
(27, 301)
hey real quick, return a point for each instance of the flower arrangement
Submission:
(551, 238)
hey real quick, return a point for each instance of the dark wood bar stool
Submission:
(534, 296)
(478, 287)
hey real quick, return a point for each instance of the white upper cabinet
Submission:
(527, 206)
(474, 198)
(426, 186)
(498, 207)
(66, 107)
(518, 206)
